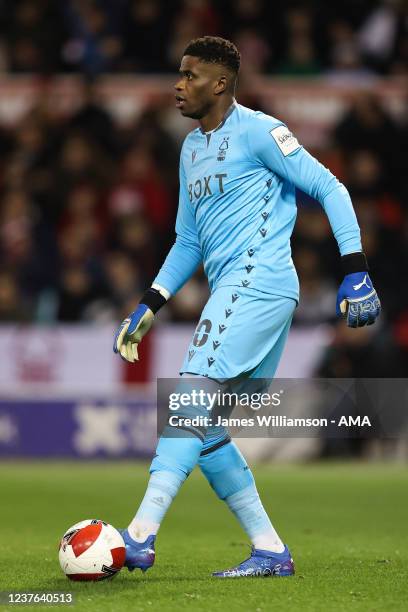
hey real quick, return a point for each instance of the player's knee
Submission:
(226, 470)
(177, 455)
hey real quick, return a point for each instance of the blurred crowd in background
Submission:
(87, 208)
(289, 37)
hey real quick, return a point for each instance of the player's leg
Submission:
(231, 478)
(174, 460)
(177, 453)
(233, 482)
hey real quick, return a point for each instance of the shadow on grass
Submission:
(123, 583)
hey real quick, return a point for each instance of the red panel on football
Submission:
(118, 556)
(85, 538)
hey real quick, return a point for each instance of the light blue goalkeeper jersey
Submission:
(237, 206)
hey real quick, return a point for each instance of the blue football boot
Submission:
(261, 563)
(138, 554)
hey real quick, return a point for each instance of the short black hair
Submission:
(215, 50)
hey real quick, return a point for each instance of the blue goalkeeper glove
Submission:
(357, 300)
(137, 324)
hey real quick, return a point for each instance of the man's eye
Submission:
(189, 77)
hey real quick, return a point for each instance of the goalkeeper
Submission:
(238, 174)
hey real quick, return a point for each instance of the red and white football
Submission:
(91, 550)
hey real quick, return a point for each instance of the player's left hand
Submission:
(357, 300)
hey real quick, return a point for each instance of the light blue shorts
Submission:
(242, 331)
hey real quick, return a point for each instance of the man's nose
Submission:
(179, 86)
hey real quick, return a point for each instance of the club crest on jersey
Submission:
(222, 149)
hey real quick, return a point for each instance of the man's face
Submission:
(198, 86)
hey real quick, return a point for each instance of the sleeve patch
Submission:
(284, 139)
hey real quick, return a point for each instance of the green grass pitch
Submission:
(347, 527)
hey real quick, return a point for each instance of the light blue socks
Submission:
(229, 475)
(224, 467)
(175, 458)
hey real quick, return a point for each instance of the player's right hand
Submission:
(131, 331)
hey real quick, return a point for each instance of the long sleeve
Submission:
(185, 255)
(274, 146)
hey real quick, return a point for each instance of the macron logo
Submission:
(364, 282)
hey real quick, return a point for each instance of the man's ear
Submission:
(221, 85)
